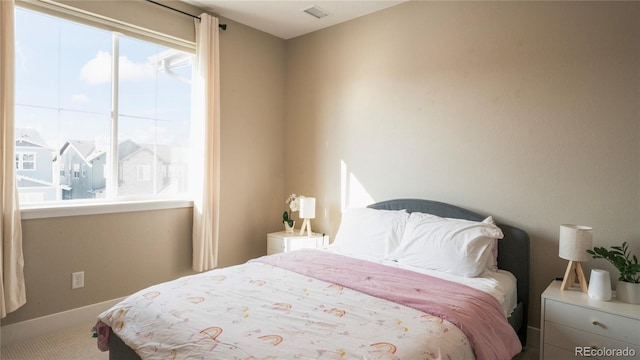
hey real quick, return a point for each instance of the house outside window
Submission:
(34, 169)
(64, 89)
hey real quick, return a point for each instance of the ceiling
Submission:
(287, 19)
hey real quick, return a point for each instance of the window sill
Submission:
(79, 209)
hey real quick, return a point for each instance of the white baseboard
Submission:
(30, 329)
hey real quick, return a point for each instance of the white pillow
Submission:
(455, 246)
(370, 232)
(492, 263)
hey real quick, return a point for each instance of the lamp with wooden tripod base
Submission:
(575, 240)
(307, 211)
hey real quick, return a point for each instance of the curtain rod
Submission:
(221, 26)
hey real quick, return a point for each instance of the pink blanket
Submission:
(477, 314)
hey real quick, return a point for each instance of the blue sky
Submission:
(63, 75)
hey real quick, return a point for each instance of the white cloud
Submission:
(132, 71)
(98, 70)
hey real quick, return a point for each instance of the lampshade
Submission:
(307, 207)
(575, 240)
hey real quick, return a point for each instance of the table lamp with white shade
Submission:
(575, 240)
(307, 208)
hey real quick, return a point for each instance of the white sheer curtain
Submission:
(206, 115)
(11, 260)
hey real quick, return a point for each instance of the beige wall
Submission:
(119, 254)
(528, 111)
(122, 253)
(252, 173)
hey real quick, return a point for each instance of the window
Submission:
(144, 173)
(66, 75)
(25, 161)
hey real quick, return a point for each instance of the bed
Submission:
(343, 303)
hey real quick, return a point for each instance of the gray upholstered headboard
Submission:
(513, 249)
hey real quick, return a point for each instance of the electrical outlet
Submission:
(77, 280)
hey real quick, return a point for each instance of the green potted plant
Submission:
(628, 286)
(289, 223)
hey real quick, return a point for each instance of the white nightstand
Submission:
(573, 324)
(283, 241)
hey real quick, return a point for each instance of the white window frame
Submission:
(81, 207)
(95, 206)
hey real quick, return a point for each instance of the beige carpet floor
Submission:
(74, 343)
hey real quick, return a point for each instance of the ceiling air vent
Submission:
(316, 12)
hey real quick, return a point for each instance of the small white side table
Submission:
(282, 241)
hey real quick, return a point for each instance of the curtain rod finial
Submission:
(223, 26)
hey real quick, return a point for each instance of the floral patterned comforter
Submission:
(261, 311)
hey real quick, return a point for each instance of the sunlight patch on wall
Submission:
(352, 192)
